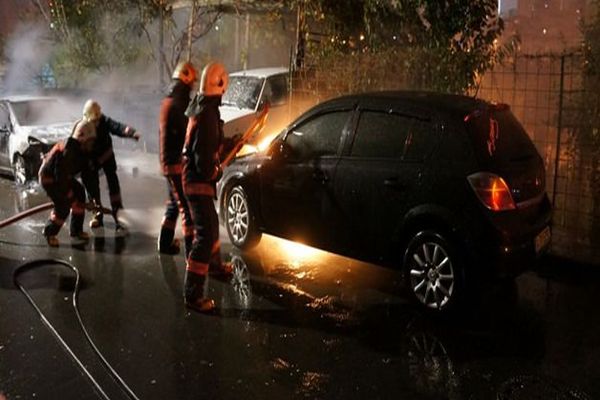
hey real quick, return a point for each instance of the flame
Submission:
(265, 142)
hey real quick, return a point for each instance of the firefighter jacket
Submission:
(172, 127)
(103, 149)
(61, 164)
(203, 140)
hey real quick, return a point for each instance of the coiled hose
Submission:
(31, 265)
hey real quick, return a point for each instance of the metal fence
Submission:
(545, 92)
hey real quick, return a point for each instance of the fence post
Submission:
(559, 127)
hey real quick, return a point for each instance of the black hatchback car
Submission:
(449, 188)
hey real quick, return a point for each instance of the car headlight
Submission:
(34, 141)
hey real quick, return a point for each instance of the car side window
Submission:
(390, 135)
(380, 135)
(276, 90)
(317, 137)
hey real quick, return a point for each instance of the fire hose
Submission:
(75, 294)
(254, 129)
(40, 208)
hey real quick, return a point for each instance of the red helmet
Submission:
(214, 79)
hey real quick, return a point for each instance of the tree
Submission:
(427, 44)
(96, 35)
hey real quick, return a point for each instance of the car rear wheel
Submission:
(239, 219)
(434, 271)
(20, 170)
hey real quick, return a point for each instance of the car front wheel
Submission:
(239, 220)
(20, 170)
(434, 271)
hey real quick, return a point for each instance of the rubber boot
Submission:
(52, 240)
(193, 293)
(118, 227)
(97, 220)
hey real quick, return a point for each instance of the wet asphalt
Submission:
(293, 322)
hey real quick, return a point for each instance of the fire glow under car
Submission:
(449, 188)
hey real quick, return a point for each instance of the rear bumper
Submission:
(512, 249)
(514, 259)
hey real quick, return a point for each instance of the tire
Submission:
(240, 220)
(434, 271)
(21, 170)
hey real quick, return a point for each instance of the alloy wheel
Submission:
(432, 276)
(238, 216)
(20, 170)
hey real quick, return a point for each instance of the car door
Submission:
(5, 128)
(377, 181)
(296, 183)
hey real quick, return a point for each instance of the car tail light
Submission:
(492, 190)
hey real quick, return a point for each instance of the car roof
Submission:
(261, 72)
(441, 102)
(25, 97)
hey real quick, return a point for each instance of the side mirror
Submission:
(285, 151)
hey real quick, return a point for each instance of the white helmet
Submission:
(185, 72)
(91, 110)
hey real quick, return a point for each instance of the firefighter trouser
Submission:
(177, 204)
(92, 183)
(73, 201)
(206, 248)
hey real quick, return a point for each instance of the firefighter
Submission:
(103, 157)
(172, 126)
(201, 171)
(57, 176)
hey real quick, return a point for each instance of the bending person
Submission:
(57, 177)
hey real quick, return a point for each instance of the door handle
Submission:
(320, 176)
(394, 183)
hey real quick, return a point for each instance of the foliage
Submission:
(587, 134)
(96, 35)
(441, 45)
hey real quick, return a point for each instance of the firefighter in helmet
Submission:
(172, 126)
(201, 170)
(57, 176)
(103, 157)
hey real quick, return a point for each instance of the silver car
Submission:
(29, 127)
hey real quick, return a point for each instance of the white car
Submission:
(247, 94)
(29, 127)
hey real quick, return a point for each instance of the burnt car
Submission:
(247, 94)
(449, 188)
(29, 127)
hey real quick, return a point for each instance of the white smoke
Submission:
(26, 51)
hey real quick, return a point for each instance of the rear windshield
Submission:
(498, 137)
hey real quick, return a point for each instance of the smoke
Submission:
(27, 51)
